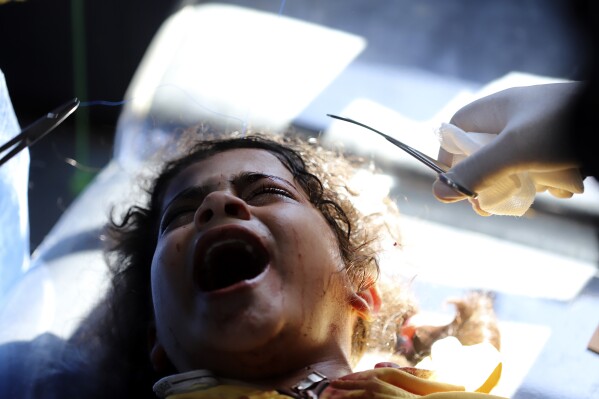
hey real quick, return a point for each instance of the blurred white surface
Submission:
(232, 66)
(442, 255)
(14, 210)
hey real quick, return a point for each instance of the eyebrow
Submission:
(241, 179)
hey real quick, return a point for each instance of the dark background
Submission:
(44, 66)
(53, 50)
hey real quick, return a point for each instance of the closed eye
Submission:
(176, 217)
(266, 193)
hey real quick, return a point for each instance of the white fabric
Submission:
(185, 382)
(14, 214)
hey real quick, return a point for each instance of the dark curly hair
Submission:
(119, 324)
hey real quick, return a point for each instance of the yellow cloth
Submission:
(379, 383)
(475, 367)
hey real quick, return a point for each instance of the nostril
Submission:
(232, 209)
(206, 216)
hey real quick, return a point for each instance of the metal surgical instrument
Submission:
(38, 129)
(432, 163)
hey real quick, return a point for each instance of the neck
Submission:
(282, 367)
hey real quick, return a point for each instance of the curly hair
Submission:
(126, 312)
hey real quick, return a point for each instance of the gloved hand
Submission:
(510, 145)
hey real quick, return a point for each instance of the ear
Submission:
(158, 357)
(366, 302)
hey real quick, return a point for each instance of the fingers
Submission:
(447, 194)
(390, 381)
(566, 181)
(477, 159)
(558, 193)
(386, 364)
(487, 114)
(515, 135)
(477, 208)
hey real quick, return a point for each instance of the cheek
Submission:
(167, 271)
(323, 241)
(158, 277)
(316, 250)
(162, 261)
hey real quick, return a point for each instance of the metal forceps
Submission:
(38, 129)
(435, 165)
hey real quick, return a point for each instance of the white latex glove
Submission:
(510, 145)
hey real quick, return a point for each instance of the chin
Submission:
(247, 350)
(260, 322)
(249, 335)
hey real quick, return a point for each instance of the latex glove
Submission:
(515, 146)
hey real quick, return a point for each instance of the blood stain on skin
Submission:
(333, 329)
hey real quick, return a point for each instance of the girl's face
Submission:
(247, 278)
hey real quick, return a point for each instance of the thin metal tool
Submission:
(38, 129)
(432, 163)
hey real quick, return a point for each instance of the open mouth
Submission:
(229, 261)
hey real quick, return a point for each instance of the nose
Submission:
(221, 204)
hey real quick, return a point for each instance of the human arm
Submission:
(529, 127)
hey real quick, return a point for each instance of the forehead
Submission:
(220, 168)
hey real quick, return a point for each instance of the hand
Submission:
(529, 128)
